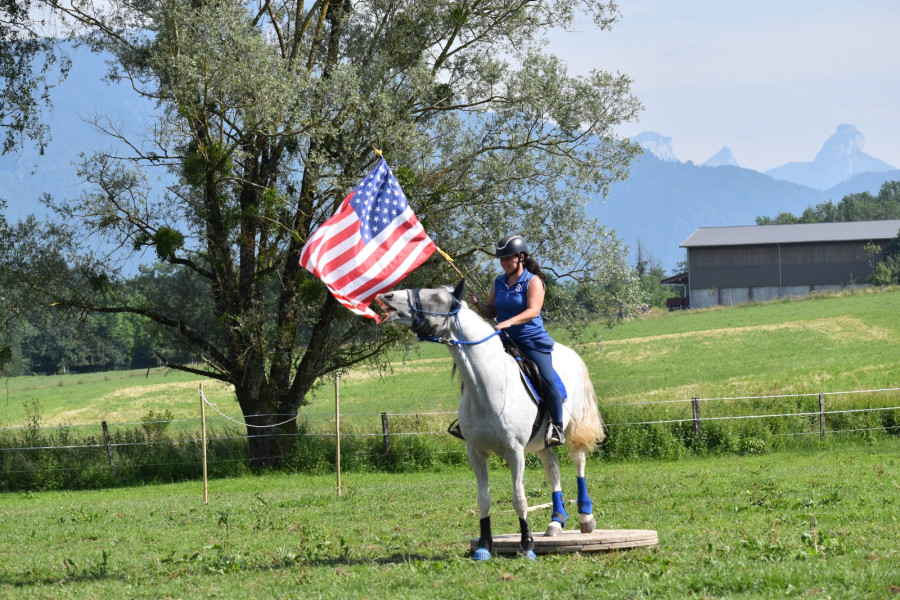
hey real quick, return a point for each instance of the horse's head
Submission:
(425, 311)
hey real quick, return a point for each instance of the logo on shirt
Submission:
(519, 287)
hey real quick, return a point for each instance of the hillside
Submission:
(755, 349)
(664, 202)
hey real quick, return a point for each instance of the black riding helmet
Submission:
(511, 245)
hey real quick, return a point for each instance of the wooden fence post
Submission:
(695, 405)
(203, 441)
(821, 416)
(385, 432)
(109, 451)
(337, 428)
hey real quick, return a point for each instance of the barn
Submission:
(734, 265)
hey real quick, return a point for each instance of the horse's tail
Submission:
(588, 431)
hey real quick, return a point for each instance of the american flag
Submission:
(371, 242)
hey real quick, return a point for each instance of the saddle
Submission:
(531, 376)
(534, 384)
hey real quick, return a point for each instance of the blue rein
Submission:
(454, 312)
(452, 342)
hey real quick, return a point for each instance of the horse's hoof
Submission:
(529, 554)
(554, 529)
(586, 523)
(481, 554)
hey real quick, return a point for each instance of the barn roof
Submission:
(751, 235)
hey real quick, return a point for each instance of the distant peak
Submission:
(840, 158)
(846, 141)
(657, 144)
(722, 158)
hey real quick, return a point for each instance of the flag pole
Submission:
(449, 260)
(446, 256)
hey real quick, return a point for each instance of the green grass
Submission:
(818, 524)
(809, 346)
(828, 344)
(756, 522)
(114, 396)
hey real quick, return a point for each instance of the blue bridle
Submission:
(419, 322)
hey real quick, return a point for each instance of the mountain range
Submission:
(664, 200)
(661, 203)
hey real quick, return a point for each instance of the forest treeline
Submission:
(44, 342)
(853, 207)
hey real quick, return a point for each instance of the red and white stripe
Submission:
(354, 271)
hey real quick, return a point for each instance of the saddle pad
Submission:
(533, 392)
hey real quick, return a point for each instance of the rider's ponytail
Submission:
(535, 268)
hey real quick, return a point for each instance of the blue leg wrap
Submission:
(559, 511)
(585, 506)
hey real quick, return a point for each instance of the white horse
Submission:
(496, 412)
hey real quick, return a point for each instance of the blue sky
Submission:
(770, 79)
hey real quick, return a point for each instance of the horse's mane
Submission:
(465, 310)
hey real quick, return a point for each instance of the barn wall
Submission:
(708, 297)
(739, 274)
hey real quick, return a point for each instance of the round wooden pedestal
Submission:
(600, 540)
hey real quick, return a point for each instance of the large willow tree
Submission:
(268, 115)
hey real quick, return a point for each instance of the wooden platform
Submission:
(600, 540)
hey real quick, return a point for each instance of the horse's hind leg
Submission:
(516, 460)
(551, 471)
(586, 521)
(479, 463)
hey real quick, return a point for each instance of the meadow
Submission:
(826, 344)
(761, 514)
(808, 524)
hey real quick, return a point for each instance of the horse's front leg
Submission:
(479, 462)
(516, 460)
(551, 472)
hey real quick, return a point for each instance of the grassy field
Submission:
(827, 344)
(818, 524)
(818, 521)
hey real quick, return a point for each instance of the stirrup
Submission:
(555, 436)
(454, 429)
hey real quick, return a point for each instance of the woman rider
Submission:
(516, 301)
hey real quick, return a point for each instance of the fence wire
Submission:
(240, 421)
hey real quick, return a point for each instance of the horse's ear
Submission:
(460, 290)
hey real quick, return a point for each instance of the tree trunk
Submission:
(265, 446)
(262, 434)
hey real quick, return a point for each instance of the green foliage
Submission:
(651, 272)
(36, 457)
(206, 161)
(267, 118)
(155, 423)
(30, 65)
(853, 207)
(167, 242)
(6, 357)
(886, 271)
